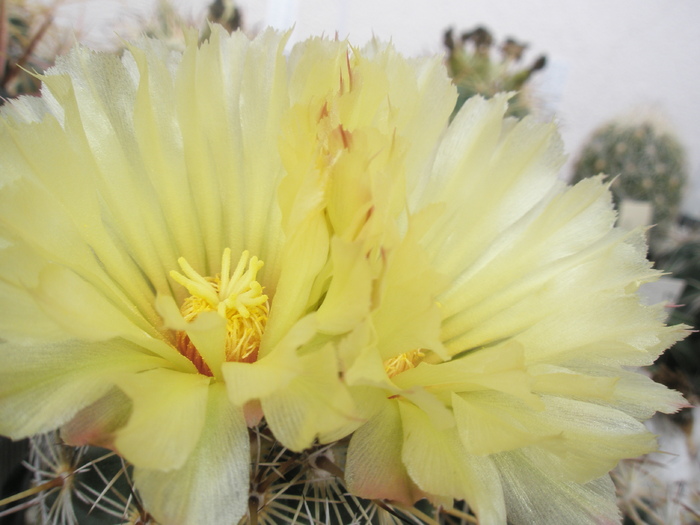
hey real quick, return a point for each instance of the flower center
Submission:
(237, 297)
(403, 362)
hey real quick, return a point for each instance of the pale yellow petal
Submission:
(80, 309)
(168, 415)
(212, 485)
(639, 396)
(426, 97)
(405, 325)
(499, 368)
(23, 320)
(437, 462)
(593, 437)
(97, 95)
(253, 121)
(59, 188)
(24, 109)
(305, 254)
(84, 313)
(374, 469)
(534, 495)
(347, 301)
(490, 175)
(208, 334)
(96, 424)
(44, 386)
(161, 142)
(56, 188)
(250, 381)
(634, 393)
(169, 312)
(316, 67)
(314, 404)
(491, 422)
(360, 359)
(565, 382)
(495, 292)
(229, 124)
(612, 321)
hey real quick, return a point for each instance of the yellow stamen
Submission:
(403, 362)
(236, 297)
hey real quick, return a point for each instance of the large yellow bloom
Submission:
(191, 242)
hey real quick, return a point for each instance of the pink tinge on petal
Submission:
(95, 424)
(253, 413)
(81, 436)
(374, 468)
(395, 487)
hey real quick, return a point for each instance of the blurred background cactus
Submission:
(475, 71)
(29, 43)
(679, 367)
(225, 13)
(168, 25)
(648, 165)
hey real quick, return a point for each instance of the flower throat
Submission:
(237, 297)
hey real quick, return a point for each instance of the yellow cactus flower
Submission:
(190, 243)
(539, 319)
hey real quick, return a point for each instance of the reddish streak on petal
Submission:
(186, 348)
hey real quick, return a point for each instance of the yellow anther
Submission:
(403, 362)
(236, 297)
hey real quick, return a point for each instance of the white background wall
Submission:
(606, 57)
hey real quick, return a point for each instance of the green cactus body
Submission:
(475, 72)
(648, 165)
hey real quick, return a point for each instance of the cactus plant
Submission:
(475, 72)
(28, 44)
(683, 359)
(168, 25)
(226, 13)
(93, 486)
(649, 165)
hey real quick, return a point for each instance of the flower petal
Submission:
(313, 404)
(374, 469)
(249, 381)
(22, 319)
(403, 325)
(208, 334)
(544, 240)
(437, 462)
(360, 359)
(593, 437)
(169, 407)
(534, 495)
(500, 368)
(43, 386)
(76, 240)
(489, 174)
(305, 255)
(347, 301)
(97, 423)
(212, 485)
(79, 308)
(491, 422)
